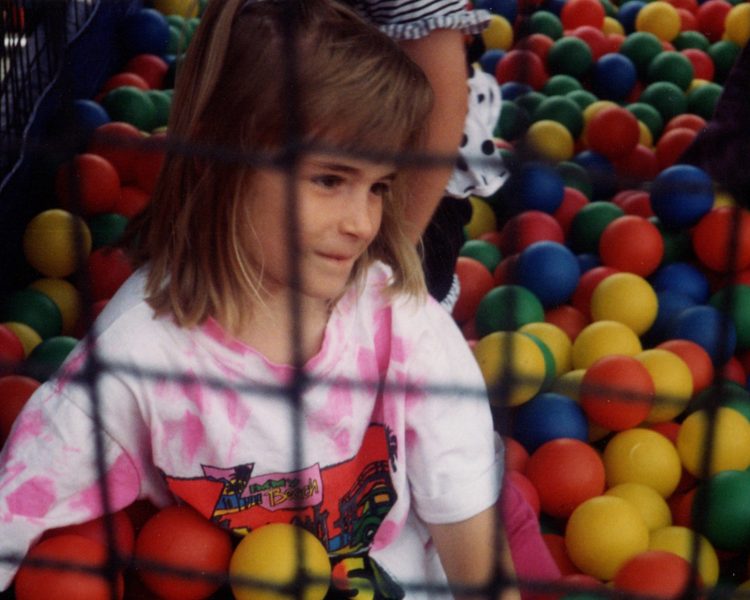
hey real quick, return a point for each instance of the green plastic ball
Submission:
(666, 97)
(513, 122)
(530, 101)
(650, 117)
(575, 176)
(162, 104)
(721, 506)
(582, 98)
(106, 229)
(47, 356)
(563, 110)
(35, 309)
(671, 66)
(486, 253)
(691, 39)
(589, 223)
(723, 53)
(734, 301)
(678, 245)
(131, 105)
(545, 22)
(641, 47)
(570, 56)
(561, 85)
(703, 99)
(506, 308)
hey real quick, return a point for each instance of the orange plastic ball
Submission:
(178, 537)
(475, 282)
(37, 582)
(718, 233)
(90, 182)
(565, 473)
(655, 573)
(117, 142)
(15, 390)
(613, 132)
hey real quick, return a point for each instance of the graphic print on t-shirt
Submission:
(342, 504)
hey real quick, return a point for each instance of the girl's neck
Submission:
(271, 329)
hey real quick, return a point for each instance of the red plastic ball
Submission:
(636, 203)
(686, 121)
(697, 359)
(96, 530)
(655, 573)
(573, 201)
(617, 392)
(711, 16)
(132, 201)
(117, 142)
(632, 244)
(672, 144)
(516, 456)
(734, 371)
(613, 132)
(688, 21)
(15, 390)
(179, 537)
(638, 166)
(681, 507)
(556, 545)
(11, 349)
(121, 79)
(505, 271)
(565, 473)
(43, 582)
(522, 66)
(594, 38)
(108, 269)
(150, 67)
(538, 43)
(476, 281)
(587, 283)
(148, 162)
(703, 64)
(568, 318)
(719, 232)
(90, 182)
(524, 486)
(523, 229)
(576, 13)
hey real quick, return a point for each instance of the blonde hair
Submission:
(262, 82)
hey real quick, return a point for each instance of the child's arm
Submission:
(441, 55)
(469, 550)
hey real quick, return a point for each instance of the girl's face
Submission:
(339, 202)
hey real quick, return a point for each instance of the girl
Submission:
(275, 357)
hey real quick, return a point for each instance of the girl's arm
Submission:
(441, 55)
(469, 550)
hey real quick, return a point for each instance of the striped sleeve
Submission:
(414, 19)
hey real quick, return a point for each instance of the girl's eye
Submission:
(381, 188)
(328, 181)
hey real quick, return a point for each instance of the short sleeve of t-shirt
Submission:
(413, 19)
(453, 455)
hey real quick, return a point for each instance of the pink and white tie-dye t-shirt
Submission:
(389, 429)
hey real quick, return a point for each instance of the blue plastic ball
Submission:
(670, 305)
(681, 195)
(88, 115)
(709, 328)
(553, 6)
(549, 416)
(550, 270)
(587, 261)
(145, 32)
(601, 173)
(488, 61)
(613, 77)
(683, 278)
(627, 14)
(511, 90)
(541, 187)
(504, 8)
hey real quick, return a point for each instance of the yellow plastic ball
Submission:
(680, 541)
(626, 298)
(595, 107)
(498, 35)
(556, 340)
(602, 533)
(642, 456)
(646, 137)
(569, 384)
(603, 338)
(731, 441)
(54, 242)
(652, 506)
(673, 383)
(723, 198)
(65, 295)
(659, 18)
(269, 555)
(737, 24)
(512, 365)
(551, 140)
(30, 339)
(187, 9)
(612, 25)
(482, 219)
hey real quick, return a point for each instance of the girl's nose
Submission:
(361, 217)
